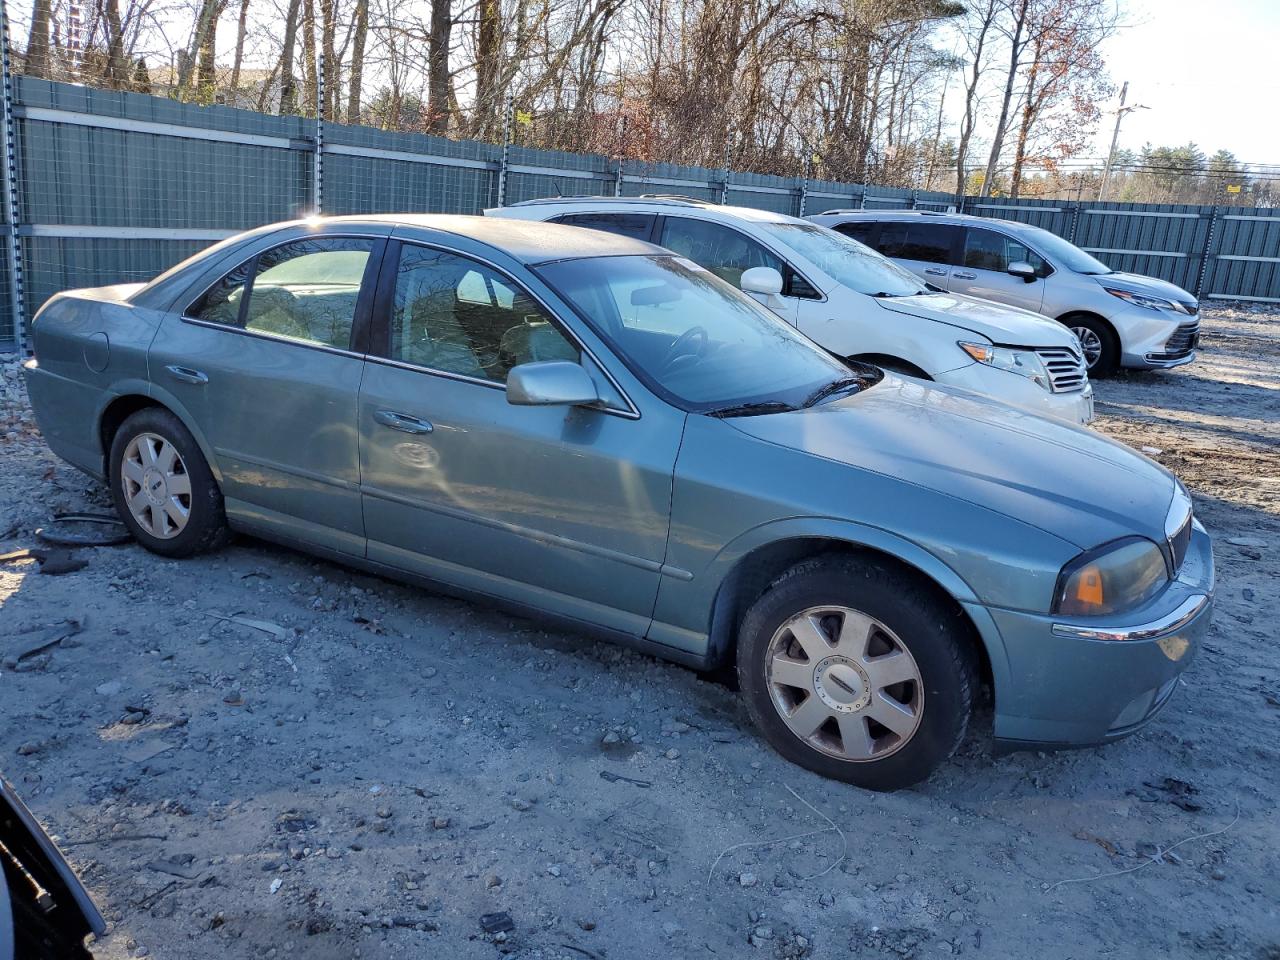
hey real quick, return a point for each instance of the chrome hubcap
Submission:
(844, 683)
(156, 487)
(1090, 343)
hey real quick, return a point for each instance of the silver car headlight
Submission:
(1025, 363)
(1115, 577)
(1143, 300)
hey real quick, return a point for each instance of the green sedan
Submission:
(593, 429)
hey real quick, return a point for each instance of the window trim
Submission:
(660, 224)
(1001, 233)
(357, 344)
(384, 298)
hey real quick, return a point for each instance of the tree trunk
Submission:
(309, 78)
(439, 94)
(1019, 9)
(488, 61)
(288, 89)
(1024, 128)
(241, 30)
(357, 62)
(37, 58)
(970, 118)
(187, 62)
(206, 66)
(118, 73)
(332, 68)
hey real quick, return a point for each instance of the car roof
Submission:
(653, 202)
(529, 241)
(877, 216)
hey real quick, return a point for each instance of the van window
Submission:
(912, 240)
(989, 250)
(860, 230)
(637, 226)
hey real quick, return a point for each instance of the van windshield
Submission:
(845, 260)
(1063, 253)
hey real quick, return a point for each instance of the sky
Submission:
(1209, 70)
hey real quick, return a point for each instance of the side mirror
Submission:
(551, 383)
(765, 281)
(1020, 268)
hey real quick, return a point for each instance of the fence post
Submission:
(17, 296)
(1075, 219)
(617, 180)
(317, 172)
(862, 200)
(914, 197)
(1204, 256)
(724, 186)
(506, 150)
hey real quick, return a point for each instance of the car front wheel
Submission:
(163, 488)
(1098, 343)
(857, 672)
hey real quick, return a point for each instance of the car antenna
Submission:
(556, 183)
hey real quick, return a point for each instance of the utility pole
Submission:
(1115, 137)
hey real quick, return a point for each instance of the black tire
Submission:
(1109, 359)
(206, 527)
(938, 641)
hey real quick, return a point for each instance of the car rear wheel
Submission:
(857, 672)
(163, 488)
(1098, 343)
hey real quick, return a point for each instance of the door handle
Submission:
(402, 422)
(187, 375)
(965, 276)
(935, 272)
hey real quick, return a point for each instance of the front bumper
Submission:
(1059, 684)
(1156, 340)
(1074, 407)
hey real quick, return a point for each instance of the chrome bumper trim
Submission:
(1187, 611)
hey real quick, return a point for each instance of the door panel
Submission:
(562, 507)
(276, 400)
(983, 270)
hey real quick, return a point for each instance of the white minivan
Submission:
(850, 299)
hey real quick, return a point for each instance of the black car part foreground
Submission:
(45, 912)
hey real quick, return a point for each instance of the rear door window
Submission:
(912, 240)
(305, 291)
(638, 226)
(722, 250)
(989, 250)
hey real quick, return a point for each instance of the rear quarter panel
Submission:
(89, 349)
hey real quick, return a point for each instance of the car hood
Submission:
(1137, 283)
(996, 322)
(1070, 482)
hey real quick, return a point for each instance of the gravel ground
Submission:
(254, 754)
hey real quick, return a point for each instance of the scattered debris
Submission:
(84, 530)
(619, 778)
(497, 923)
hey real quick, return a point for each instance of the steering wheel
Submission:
(681, 347)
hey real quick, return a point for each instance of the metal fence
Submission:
(108, 187)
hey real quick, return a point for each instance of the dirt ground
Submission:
(369, 770)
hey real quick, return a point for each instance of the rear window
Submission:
(910, 240)
(637, 226)
(860, 230)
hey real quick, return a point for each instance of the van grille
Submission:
(1067, 370)
(1183, 340)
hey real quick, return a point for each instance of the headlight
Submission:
(1142, 300)
(1115, 577)
(1026, 363)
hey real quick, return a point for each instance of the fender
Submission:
(698, 598)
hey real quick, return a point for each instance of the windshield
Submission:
(845, 260)
(1063, 252)
(691, 336)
